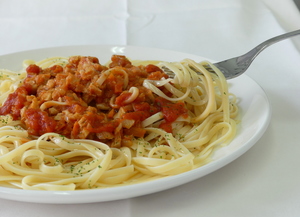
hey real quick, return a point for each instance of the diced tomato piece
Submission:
(115, 81)
(158, 75)
(75, 108)
(38, 122)
(170, 110)
(119, 60)
(144, 106)
(120, 100)
(75, 130)
(111, 113)
(56, 69)
(152, 68)
(33, 69)
(14, 103)
(137, 116)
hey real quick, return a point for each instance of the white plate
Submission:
(255, 117)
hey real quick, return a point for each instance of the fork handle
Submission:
(255, 51)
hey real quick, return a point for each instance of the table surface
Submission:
(262, 182)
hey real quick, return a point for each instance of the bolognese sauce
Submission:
(87, 100)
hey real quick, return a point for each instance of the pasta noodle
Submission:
(58, 161)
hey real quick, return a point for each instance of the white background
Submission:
(262, 182)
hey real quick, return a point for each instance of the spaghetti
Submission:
(69, 124)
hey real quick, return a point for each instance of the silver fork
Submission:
(236, 66)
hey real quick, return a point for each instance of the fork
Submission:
(236, 66)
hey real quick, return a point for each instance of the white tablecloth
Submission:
(262, 182)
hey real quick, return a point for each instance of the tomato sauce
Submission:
(76, 102)
(170, 110)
